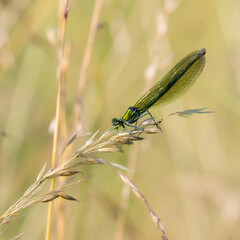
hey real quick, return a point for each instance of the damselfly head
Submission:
(116, 123)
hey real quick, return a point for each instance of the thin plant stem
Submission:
(85, 63)
(63, 131)
(125, 194)
(57, 122)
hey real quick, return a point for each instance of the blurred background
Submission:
(189, 173)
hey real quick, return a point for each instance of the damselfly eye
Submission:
(115, 122)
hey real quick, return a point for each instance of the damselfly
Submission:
(173, 85)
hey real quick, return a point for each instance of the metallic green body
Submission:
(173, 85)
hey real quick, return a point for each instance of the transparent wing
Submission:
(175, 83)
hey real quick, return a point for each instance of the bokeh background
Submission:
(189, 173)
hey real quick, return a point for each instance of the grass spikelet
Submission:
(108, 142)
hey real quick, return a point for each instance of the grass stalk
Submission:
(57, 120)
(85, 63)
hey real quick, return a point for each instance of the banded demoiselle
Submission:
(172, 85)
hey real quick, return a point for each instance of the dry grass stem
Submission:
(59, 111)
(85, 63)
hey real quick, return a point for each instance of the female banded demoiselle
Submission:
(172, 85)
